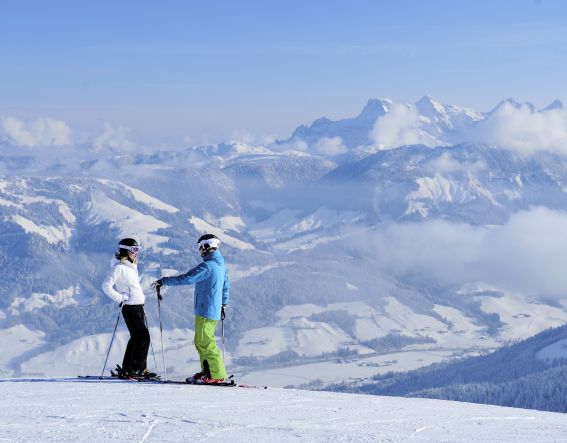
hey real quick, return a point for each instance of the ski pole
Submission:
(159, 298)
(222, 334)
(111, 340)
(151, 342)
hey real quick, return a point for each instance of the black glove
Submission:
(157, 286)
(223, 311)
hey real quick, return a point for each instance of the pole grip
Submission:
(158, 290)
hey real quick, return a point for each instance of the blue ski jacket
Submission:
(212, 286)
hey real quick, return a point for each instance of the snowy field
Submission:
(297, 328)
(127, 411)
(344, 370)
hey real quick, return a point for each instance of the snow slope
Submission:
(90, 411)
(87, 354)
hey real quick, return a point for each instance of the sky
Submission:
(209, 71)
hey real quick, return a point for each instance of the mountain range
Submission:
(402, 236)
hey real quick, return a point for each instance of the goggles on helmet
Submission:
(209, 243)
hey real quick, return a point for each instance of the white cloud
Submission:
(296, 144)
(447, 164)
(330, 146)
(526, 255)
(250, 138)
(39, 132)
(401, 126)
(523, 129)
(113, 138)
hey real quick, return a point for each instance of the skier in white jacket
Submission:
(122, 285)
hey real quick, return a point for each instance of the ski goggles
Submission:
(132, 249)
(209, 243)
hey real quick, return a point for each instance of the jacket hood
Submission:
(114, 261)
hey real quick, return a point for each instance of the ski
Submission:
(227, 384)
(156, 380)
(185, 382)
(251, 386)
(117, 378)
(134, 377)
(103, 378)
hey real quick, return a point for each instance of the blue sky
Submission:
(205, 70)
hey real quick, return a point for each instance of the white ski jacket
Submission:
(123, 280)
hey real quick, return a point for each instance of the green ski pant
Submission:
(207, 346)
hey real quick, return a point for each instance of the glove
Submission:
(125, 298)
(223, 311)
(157, 284)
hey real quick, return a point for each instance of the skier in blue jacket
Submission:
(212, 289)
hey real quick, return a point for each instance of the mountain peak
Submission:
(375, 108)
(513, 103)
(428, 105)
(556, 104)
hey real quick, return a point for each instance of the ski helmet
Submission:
(207, 244)
(129, 244)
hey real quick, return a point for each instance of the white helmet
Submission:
(207, 244)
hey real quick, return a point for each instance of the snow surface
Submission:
(295, 331)
(52, 234)
(289, 230)
(128, 221)
(239, 272)
(59, 300)
(87, 354)
(141, 197)
(17, 341)
(298, 328)
(350, 369)
(522, 319)
(204, 226)
(129, 411)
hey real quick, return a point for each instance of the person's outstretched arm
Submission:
(197, 274)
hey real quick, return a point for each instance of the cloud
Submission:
(526, 255)
(401, 126)
(523, 129)
(447, 164)
(296, 144)
(39, 132)
(113, 138)
(250, 138)
(330, 146)
(517, 127)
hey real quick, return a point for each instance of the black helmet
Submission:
(207, 244)
(129, 244)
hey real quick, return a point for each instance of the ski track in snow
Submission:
(149, 431)
(75, 410)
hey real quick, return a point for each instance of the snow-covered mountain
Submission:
(350, 254)
(384, 124)
(353, 132)
(437, 122)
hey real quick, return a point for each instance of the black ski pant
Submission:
(135, 357)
